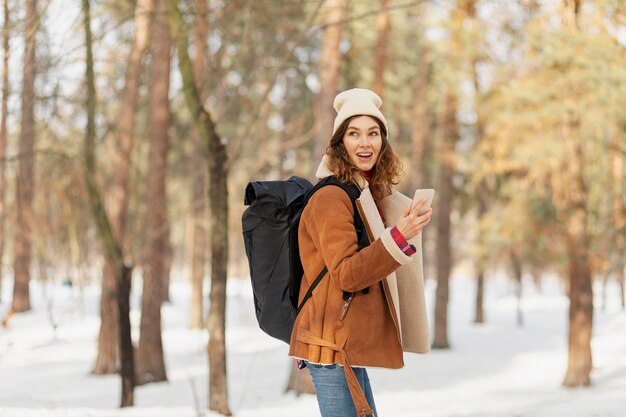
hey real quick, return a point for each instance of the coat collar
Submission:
(324, 171)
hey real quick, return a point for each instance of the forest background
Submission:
(131, 128)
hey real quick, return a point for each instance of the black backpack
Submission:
(270, 234)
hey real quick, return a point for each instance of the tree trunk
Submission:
(381, 55)
(3, 130)
(421, 121)
(479, 313)
(199, 187)
(619, 210)
(150, 363)
(579, 271)
(112, 246)
(483, 193)
(516, 265)
(168, 258)
(73, 237)
(575, 194)
(579, 363)
(106, 359)
(330, 60)
(444, 210)
(481, 261)
(622, 293)
(127, 361)
(420, 132)
(218, 197)
(118, 194)
(199, 236)
(108, 344)
(26, 167)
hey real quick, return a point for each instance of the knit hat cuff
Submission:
(355, 102)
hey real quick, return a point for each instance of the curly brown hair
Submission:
(386, 171)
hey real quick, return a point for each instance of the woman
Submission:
(370, 307)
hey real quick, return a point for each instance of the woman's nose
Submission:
(364, 140)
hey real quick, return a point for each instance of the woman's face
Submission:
(363, 142)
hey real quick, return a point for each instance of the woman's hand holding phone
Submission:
(417, 215)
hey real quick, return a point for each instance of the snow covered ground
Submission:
(493, 370)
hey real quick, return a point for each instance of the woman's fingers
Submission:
(417, 207)
(411, 225)
(426, 216)
(424, 219)
(406, 211)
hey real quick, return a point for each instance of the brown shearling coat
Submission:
(383, 322)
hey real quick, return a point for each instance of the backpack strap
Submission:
(354, 193)
(309, 292)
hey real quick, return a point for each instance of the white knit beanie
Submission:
(357, 101)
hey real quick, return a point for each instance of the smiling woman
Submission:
(363, 142)
(354, 318)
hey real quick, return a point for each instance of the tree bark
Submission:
(3, 129)
(127, 360)
(168, 258)
(108, 343)
(26, 168)
(150, 362)
(218, 197)
(619, 210)
(199, 186)
(381, 55)
(421, 121)
(575, 210)
(579, 363)
(330, 60)
(444, 210)
(482, 194)
(118, 194)
(579, 270)
(199, 238)
(420, 133)
(481, 261)
(516, 265)
(479, 313)
(450, 134)
(112, 246)
(622, 292)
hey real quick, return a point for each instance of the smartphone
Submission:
(428, 193)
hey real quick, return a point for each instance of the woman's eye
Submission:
(353, 133)
(374, 134)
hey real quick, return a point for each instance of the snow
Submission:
(492, 370)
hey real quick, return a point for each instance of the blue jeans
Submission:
(333, 395)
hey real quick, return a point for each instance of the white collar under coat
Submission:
(324, 171)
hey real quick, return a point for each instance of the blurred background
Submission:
(130, 129)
